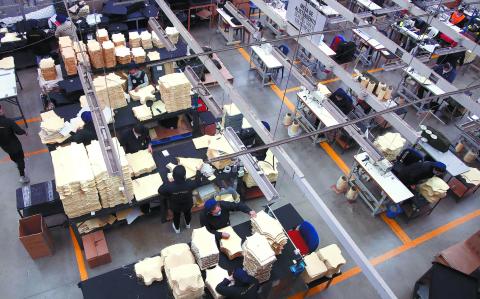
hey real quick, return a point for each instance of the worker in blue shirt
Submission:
(447, 71)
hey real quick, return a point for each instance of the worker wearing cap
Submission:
(65, 27)
(136, 139)
(87, 133)
(137, 79)
(240, 285)
(216, 215)
(414, 173)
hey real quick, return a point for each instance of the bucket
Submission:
(342, 184)
(287, 120)
(294, 127)
(470, 156)
(459, 147)
(352, 194)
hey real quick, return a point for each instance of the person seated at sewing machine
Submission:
(419, 26)
(137, 79)
(407, 157)
(342, 100)
(136, 139)
(412, 174)
(446, 71)
(458, 18)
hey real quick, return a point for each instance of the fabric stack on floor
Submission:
(172, 34)
(390, 144)
(95, 53)
(143, 94)
(139, 55)
(271, 229)
(204, 248)
(433, 189)
(109, 186)
(141, 162)
(214, 277)
(156, 41)
(109, 54)
(258, 257)
(102, 35)
(123, 55)
(48, 70)
(217, 147)
(134, 39)
(146, 39)
(332, 257)
(269, 168)
(75, 180)
(231, 247)
(50, 128)
(232, 117)
(70, 61)
(147, 186)
(149, 270)
(109, 90)
(472, 176)
(118, 40)
(175, 91)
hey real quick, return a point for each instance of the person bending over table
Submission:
(216, 215)
(137, 79)
(179, 194)
(136, 139)
(65, 27)
(239, 285)
(412, 174)
(87, 133)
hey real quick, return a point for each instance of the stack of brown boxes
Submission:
(109, 54)
(47, 68)
(95, 53)
(96, 249)
(35, 237)
(70, 60)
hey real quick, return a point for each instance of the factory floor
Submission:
(401, 251)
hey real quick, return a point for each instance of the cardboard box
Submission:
(35, 237)
(96, 249)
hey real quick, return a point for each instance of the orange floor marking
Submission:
(395, 227)
(29, 120)
(82, 270)
(27, 155)
(281, 95)
(335, 157)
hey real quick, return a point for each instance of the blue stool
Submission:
(285, 49)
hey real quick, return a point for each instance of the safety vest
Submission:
(456, 18)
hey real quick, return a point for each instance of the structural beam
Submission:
(287, 163)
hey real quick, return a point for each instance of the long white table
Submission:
(423, 81)
(320, 112)
(227, 28)
(8, 89)
(265, 63)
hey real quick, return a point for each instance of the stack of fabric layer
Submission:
(232, 117)
(139, 55)
(75, 180)
(146, 39)
(109, 90)
(390, 144)
(64, 42)
(102, 35)
(147, 187)
(95, 53)
(118, 39)
(70, 60)
(123, 55)
(315, 268)
(172, 34)
(153, 56)
(472, 176)
(204, 248)
(191, 165)
(50, 128)
(82, 58)
(433, 189)
(332, 257)
(156, 41)
(219, 146)
(143, 113)
(213, 278)
(258, 257)
(134, 39)
(269, 168)
(149, 270)
(109, 54)
(175, 91)
(271, 229)
(79, 47)
(48, 70)
(141, 162)
(108, 186)
(232, 246)
(143, 94)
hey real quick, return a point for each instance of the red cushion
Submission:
(298, 240)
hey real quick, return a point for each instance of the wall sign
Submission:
(304, 15)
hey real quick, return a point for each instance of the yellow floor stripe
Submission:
(335, 157)
(82, 270)
(281, 95)
(395, 227)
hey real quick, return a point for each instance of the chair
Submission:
(336, 40)
(305, 238)
(285, 49)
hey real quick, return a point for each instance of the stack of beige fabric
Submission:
(332, 257)
(146, 39)
(109, 90)
(108, 186)
(149, 270)
(156, 41)
(139, 55)
(213, 278)
(81, 60)
(258, 257)
(102, 35)
(95, 53)
(433, 189)
(179, 247)
(75, 180)
(48, 70)
(118, 39)
(143, 113)
(109, 54)
(134, 39)
(269, 168)
(172, 34)
(95, 223)
(217, 147)
(64, 42)
(123, 55)
(7, 63)
(70, 60)
(153, 56)
(143, 94)
(191, 165)
(472, 176)
(231, 247)
(315, 268)
(204, 248)
(141, 162)
(271, 229)
(147, 186)
(175, 91)
(79, 47)
(390, 144)
(50, 128)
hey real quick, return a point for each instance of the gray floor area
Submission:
(57, 276)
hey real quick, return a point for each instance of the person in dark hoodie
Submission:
(87, 133)
(179, 195)
(412, 174)
(239, 285)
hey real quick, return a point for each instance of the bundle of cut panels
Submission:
(123, 55)
(70, 60)
(141, 162)
(64, 42)
(433, 189)
(48, 70)
(95, 53)
(172, 34)
(156, 41)
(213, 278)
(102, 35)
(134, 39)
(146, 39)
(175, 91)
(139, 55)
(231, 247)
(79, 47)
(50, 128)
(204, 248)
(118, 40)
(271, 229)
(109, 54)
(109, 91)
(258, 257)
(390, 144)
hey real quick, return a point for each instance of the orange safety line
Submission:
(245, 54)
(395, 227)
(281, 95)
(335, 157)
(27, 155)
(29, 120)
(82, 270)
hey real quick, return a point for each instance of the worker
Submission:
(239, 285)
(216, 215)
(87, 133)
(179, 195)
(137, 79)
(342, 100)
(409, 156)
(11, 145)
(412, 174)
(458, 18)
(37, 38)
(455, 59)
(136, 139)
(446, 71)
(65, 27)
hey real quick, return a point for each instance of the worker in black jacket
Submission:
(179, 195)
(216, 215)
(412, 174)
(239, 285)
(11, 145)
(342, 100)
(136, 139)
(87, 133)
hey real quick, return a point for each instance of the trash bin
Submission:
(35, 237)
